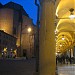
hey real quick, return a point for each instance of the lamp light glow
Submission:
(29, 29)
(63, 38)
(60, 45)
(72, 16)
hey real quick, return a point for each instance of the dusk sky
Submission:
(28, 5)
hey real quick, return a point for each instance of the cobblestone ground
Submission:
(17, 67)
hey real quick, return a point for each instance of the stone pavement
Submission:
(66, 69)
(21, 66)
(17, 67)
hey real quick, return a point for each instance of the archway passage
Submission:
(58, 12)
(65, 34)
(65, 26)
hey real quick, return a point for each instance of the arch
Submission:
(65, 23)
(64, 6)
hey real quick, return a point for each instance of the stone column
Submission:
(47, 62)
(74, 54)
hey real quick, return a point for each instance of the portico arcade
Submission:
(55, 17)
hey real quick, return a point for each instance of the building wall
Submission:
(6, 20)
(15, 22)
(27, 39)
(11, 21)
(8, 43)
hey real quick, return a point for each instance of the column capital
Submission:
(41, 1)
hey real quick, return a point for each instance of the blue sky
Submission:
(28, 5)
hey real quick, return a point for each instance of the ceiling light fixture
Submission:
(72, 16)
(63, 37)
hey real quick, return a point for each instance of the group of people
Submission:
(64, 59)
(6, 55)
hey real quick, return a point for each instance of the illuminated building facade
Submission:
(14, 21)
(7, 44)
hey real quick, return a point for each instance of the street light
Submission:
(29, 29)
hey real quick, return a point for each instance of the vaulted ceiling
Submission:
(65, 27)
